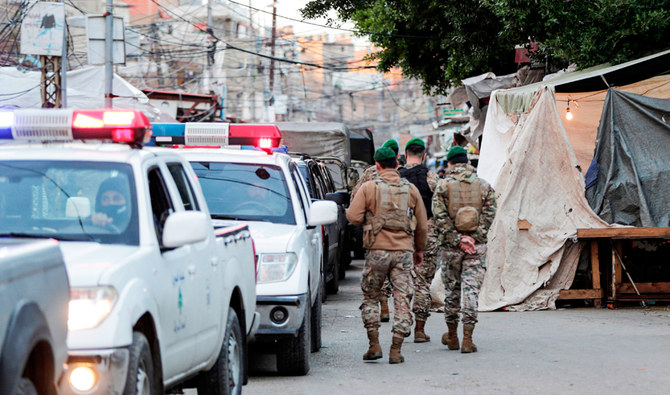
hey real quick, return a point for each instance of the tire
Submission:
(140, 379)
(333, 286)
(315, 325)
(322, 284)
(25, 387)
(226, 376)
(293, 353)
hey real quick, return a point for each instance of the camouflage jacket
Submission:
(369, 174)
(445, 231)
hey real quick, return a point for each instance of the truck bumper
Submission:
(109, 368)
(280, 315)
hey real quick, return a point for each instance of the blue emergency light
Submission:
(6, 122)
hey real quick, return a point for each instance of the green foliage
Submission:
(441, 42)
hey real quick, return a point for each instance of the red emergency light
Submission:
(261, 136)
(121, 126)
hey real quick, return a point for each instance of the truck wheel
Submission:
(316, 325)
(333, 286)
(140, 379)
(322, 284)
(225, 377)
(25, 387)
(293, 353)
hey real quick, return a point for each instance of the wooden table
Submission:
(617, 289)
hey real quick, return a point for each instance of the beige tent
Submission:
(535, 158)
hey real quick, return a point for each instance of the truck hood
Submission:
(268, 237)
(86, 262)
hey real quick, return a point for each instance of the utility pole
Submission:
(51, 88)
(211, 50)
(109, 54)
(250, 66)
(63, 65)
(272, 46)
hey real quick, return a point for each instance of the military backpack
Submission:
(392, 212)
(465, 204)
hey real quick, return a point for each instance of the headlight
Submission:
(90, 306)
(276, 267)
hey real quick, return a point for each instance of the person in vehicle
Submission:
(112, 204)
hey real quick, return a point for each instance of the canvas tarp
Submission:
(317, 139)
(629, 178)
(85, 89)
(539, 182)
(581, 130)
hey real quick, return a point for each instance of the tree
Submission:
(442, 42)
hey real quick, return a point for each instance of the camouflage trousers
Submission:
(461, 271)
(423, 276)
(396, 266)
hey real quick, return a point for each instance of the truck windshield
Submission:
(69, 200)
(245, 192)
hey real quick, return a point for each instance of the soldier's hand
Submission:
(418, 258)
(467, 245)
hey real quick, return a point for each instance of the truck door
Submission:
(312, 233)
(207, 276)
(176, 285)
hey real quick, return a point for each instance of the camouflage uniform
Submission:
(461, 270)
(424, 273)
(370, 174)
(379, 266)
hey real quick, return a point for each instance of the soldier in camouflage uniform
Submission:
(464, 207)
(370, 174)
(425, 181)
(394, 219)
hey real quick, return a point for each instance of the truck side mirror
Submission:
(185, 227)
(322, 212)
(77, 207)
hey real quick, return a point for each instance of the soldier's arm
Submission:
(432, 179)
(356, 210)
(488, 213)
(444, 225)
(421, 231)
(367, 175)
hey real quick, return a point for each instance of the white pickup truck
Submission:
(268, 192)
(159, 299)
(33, 316)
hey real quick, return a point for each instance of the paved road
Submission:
(575, 350)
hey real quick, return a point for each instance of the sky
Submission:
(289, 8)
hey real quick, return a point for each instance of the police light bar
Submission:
(122, 126)
(216, 134)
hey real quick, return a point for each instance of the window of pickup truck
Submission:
(245, 191)
(184, 186)
(69, 200)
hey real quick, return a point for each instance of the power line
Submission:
(230, 46)
(361, 32)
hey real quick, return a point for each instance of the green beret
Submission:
(457, 150)
(392, 144)
(384, 153)
(416, 141)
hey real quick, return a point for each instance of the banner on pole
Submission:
(95, 32)
(42, 29)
